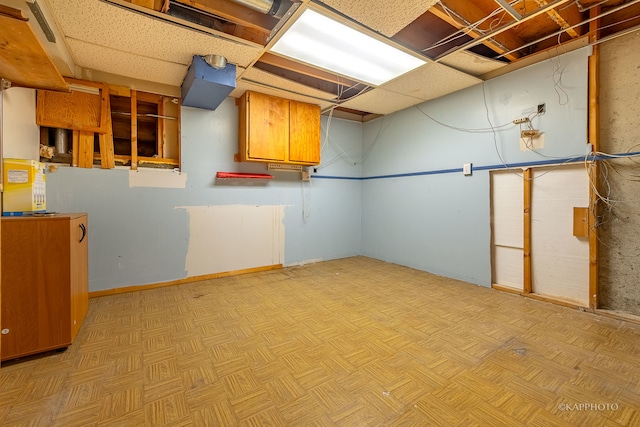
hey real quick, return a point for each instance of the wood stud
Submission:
(593, 132)
(134, 129)
(528, 184)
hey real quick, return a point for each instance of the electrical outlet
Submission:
(521, 120)
(466, 169)
(306, 176)
(542, 108)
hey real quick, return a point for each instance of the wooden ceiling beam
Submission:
(149, 4)
(565, 19)
(288, 64)
(471, 13)
(235, 13)
(504, 27)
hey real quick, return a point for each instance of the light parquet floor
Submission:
(351, 342)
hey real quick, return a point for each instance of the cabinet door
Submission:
(304, 133)
(76, 110)
(35, 286)
(79, 260)
(268, 127)
(54, 277)
(19, 289)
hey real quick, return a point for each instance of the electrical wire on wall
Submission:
(342, 154)
(306, 200)
(607, 210)
(327, 139)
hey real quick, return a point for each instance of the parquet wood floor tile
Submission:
(350, 342)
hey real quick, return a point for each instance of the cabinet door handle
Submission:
(84, 232)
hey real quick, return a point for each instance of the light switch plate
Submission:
(466, 169)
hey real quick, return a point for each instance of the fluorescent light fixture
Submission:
(322, 42)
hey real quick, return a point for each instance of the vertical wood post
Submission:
(593, 132)
(134, 130)
(527, 182)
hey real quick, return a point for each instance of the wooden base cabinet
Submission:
(44, 282)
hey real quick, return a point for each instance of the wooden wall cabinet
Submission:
(78, 110)
(112, 123)
(44, 282)
(277, 130)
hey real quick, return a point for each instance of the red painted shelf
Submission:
(240, 175)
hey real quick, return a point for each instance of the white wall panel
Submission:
(234, 237)
(560, 261)
(20, 131)
(508, 267)
(507, 205)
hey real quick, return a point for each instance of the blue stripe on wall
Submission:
(558, 161)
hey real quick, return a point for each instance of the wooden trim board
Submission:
(136, 288)
(539, 297)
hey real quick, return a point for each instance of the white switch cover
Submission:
(466, 169)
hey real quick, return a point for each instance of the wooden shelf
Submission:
(240, 175)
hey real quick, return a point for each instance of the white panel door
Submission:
(507, 204)
(560, 261)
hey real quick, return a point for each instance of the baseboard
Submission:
(506, 289)
(546, 298)
(620, 315)
(136, 288)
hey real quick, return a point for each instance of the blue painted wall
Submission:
(139, 237)
(438, 223)
(441, 222)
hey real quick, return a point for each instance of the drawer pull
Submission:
(84, 232)
(5, 331)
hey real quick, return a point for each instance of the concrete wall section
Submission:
(441, 222)
(619, 231)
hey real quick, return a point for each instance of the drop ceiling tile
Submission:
(126, 64)
(471, 63)
(431, 81)
(384, 16)
(117, 28)
(381, 101)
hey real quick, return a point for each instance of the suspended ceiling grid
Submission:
(136, 39)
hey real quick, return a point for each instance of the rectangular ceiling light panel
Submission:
(322, 42)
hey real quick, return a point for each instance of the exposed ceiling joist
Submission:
(149, 4)
(234, 12)
(565, 19)
(474, 36)
(461, 15)
(505, 27)
(278, 61)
